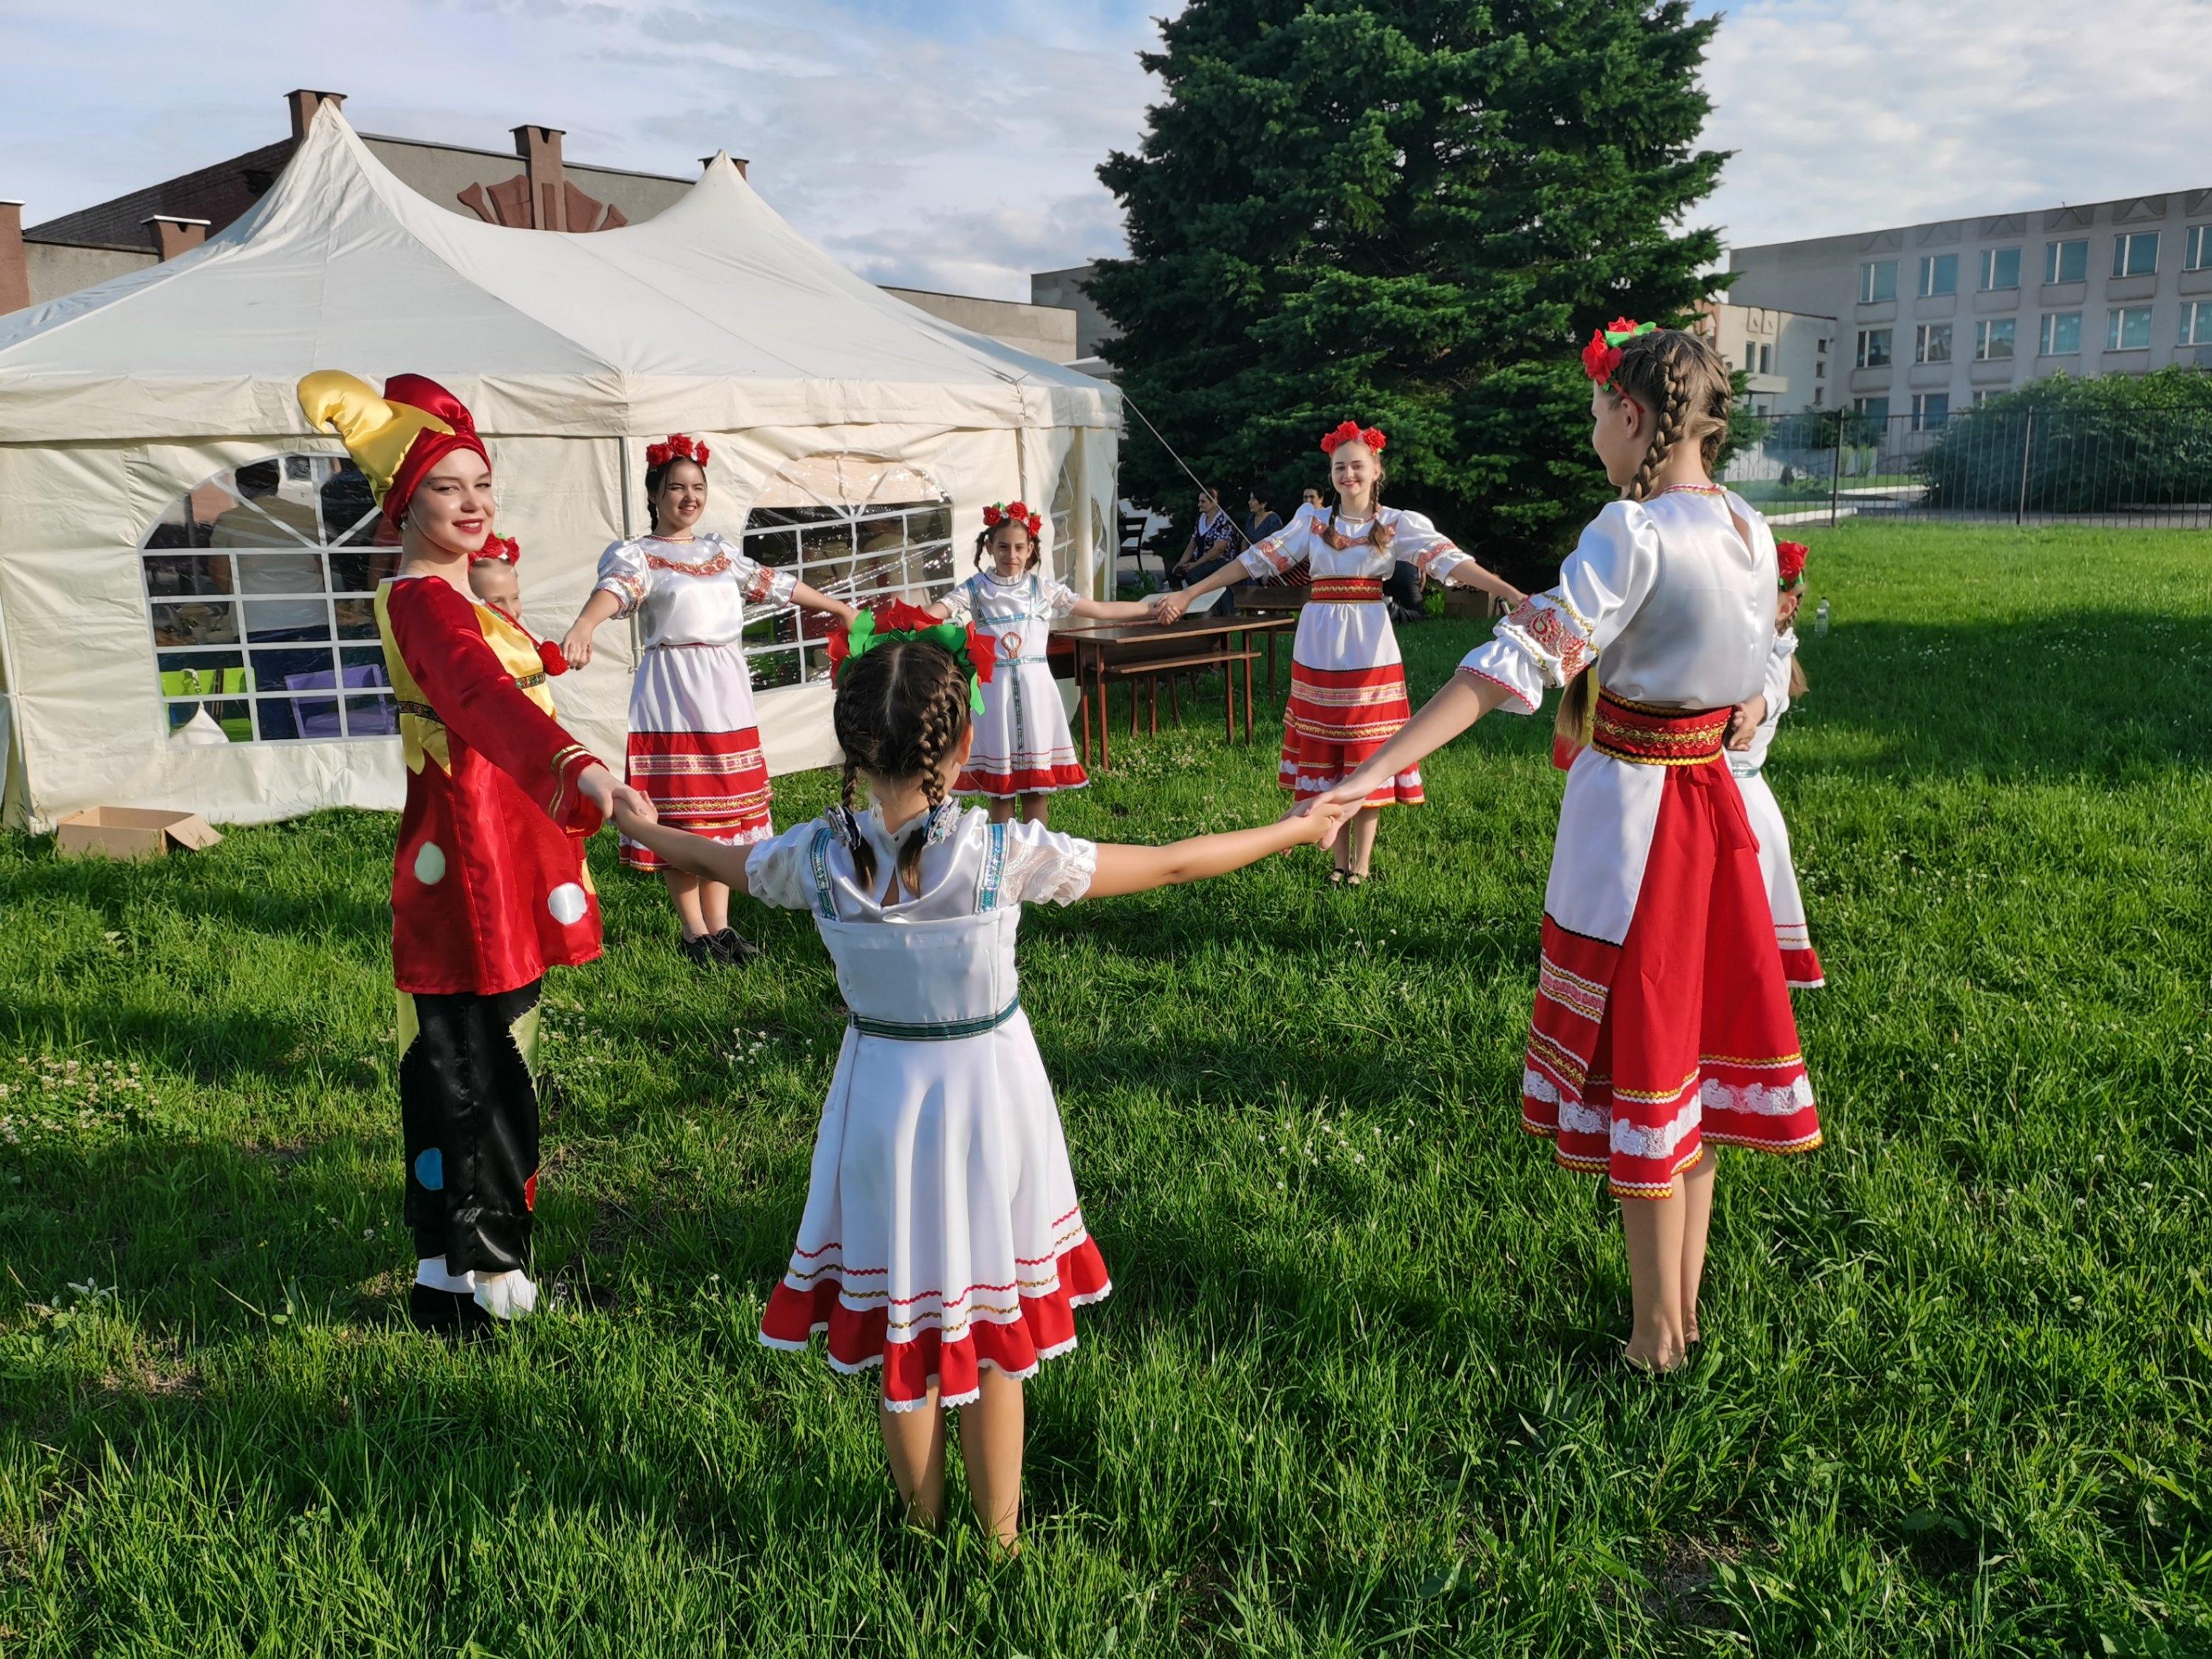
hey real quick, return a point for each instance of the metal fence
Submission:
(2147, 468)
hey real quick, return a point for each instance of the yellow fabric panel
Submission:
(376, 434)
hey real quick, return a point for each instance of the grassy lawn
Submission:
(1352, 1393)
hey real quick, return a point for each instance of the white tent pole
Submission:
(629, 527)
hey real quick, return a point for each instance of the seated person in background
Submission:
(1213, 544)
(1313, 498)
(1260, 520)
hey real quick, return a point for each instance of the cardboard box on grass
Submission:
(129, 832)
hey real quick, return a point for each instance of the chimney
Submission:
(540, 150)
(303, 105)
(14, 272)
(172, 236)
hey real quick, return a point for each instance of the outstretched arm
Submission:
(808, 598)
(576, 645)
(1130, 869)
(1113, 610)
(1465, 699)
(695, 855)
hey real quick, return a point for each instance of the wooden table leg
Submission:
(1227, 694)
(1083, 705)
(1105, 713)
(1248, 698)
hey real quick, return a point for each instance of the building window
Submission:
(2196, 322)
(1817, 398)
(1931, 342)
(1877, 282)
(1750, 357)
(2127, 328)
(1930, 410)
(261, 592)
(1874, 348)
(1993, 339)
(1765, 358)
(1939, 274)
(1874, 409)
(2196, 248)
(1983, 396)
(2062, 334)
(2135, 254)
(2066, 262)
(2000, 268)
(852, 525)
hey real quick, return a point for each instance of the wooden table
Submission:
(1208, 637)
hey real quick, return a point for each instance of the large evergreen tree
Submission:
(1410, 212)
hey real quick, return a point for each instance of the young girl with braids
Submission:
(1750, 733)
(942, 1238)
(1023, 750)
(1661, 1020)
(693, 740)
(1347, 680)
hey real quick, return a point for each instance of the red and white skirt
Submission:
(695, 746)
(1663, 1019)
(1341, 708)
(1023, 742)
(1801, 963)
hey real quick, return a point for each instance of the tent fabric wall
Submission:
(115, 402)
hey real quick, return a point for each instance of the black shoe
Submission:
(733, 947)
(447, 1313)
(701, 952)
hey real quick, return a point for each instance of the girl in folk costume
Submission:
(694, 740)
(1024, 751)
(1661, 1018)
(490, 885)
(942, 1238)
(1347, 681)
(1751, 733)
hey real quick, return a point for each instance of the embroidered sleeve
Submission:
(624, 573)
(1552, 636)
(1417, 542)
(762, 583)
(1291, 545)
(1058, 599)
(1046, 868)
(778, 872)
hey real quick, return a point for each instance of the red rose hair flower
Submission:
(501, 549)
(1789, 562)
(1351, 432)
(1001, 513)
(1601, 356)
(678, 446)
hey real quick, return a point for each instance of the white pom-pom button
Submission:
(429, 864)
(568, 903)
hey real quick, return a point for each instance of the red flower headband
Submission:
(1601, 356)
(678, 447)
(1789, 562)
(970, 646)
(498, 549)
(1001, 513)
(1349, 433)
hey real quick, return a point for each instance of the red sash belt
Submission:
(1657, 737)
(1346, 590)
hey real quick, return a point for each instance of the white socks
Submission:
(503, 1296)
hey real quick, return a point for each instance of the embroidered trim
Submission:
(1345, 590)
(1550, 630)
(824, 906)
(939, 1030)
(1645, 737)
(716, 566)
(994, 870)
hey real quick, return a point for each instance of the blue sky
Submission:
(951, 144)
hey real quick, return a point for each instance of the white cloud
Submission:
(1860, 114)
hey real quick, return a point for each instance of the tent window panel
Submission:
(242, 560)
(1063, 516)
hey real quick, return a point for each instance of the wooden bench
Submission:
(1151, 671)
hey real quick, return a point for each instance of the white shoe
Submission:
(430, 1273)
(509, 1295)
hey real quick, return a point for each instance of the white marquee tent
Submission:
(164, 629)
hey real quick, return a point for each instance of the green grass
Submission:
(1352, 1392)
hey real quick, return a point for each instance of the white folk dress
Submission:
(1347, 681)
(942, 1232)
(1801, 964)
(694, 738)
(1661, 1018)
(1022, 744)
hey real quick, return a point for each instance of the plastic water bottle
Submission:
(1820, 620)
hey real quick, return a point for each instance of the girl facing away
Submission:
(1024, 752)
(942, 1238)
(1661, 1019)
(1347, 680)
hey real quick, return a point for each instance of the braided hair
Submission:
(901, 712)
(1681, 378)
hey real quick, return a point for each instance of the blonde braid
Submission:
(864, 856)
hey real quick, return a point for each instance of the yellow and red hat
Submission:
(395, 439)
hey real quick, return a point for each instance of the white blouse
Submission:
(1414, 541)
(1747, 762)
(691, 593)
(1043, 866)
(1672, 604)
(1018, 613)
